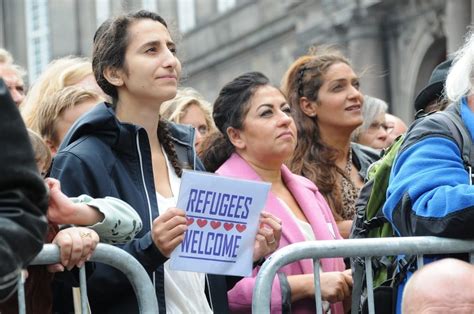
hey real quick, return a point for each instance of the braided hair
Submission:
(164, 136)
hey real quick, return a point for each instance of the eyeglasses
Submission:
(202, 129)
(377, 125)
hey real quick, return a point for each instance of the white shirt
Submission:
(309, 235)
(184, 290)
(304, 226)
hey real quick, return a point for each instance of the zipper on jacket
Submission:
(193, 147)
(146, 193)
(211, 304)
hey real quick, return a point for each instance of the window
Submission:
(225, 5)
(37, 36)
(186, 15)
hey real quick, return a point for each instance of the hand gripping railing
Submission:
(112, 256)
(349, 248)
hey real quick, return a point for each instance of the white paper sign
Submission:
(223, 215)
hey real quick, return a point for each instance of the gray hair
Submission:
(372, 108)
(460, 76)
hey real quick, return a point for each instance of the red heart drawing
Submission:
(201, 222)
(215, 224)
(228, 226)
(240, 228)
(189, 221)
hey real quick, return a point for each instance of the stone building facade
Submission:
(394, 44)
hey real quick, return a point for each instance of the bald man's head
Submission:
(395, 127)
(445, 286)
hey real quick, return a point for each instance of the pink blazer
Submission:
(320, 218)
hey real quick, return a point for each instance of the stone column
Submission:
(472, 11)
(366, 51)
(15, 31)
(2, 27)
(458, 18)
(205, 10)
(63, 28)
(87, 25)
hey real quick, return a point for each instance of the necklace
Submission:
(349, 191)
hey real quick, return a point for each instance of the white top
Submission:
(305, 227)
(309, 235)
(184, 290)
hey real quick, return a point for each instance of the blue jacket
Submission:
(101, 156)
(429, 192)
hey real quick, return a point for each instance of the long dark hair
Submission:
(230, 109)
(313, 158)
(110, 44)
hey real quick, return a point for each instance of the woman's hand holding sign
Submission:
(168, 230)
(268, 236)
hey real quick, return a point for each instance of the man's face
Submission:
(15, 84)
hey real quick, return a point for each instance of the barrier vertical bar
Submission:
(370, 286)
(21, 293)
(83, 286)
(317, 286)
(419, 261)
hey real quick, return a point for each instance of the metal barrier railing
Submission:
(366, 248)
(106, 254)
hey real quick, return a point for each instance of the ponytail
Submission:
(215, 150)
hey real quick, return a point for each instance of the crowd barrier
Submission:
(106, 254)
(365, 248)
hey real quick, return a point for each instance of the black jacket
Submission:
(364, 156)
(101, 156)
(23, 197)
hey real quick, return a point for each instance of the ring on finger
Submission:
(272, 241)
(86, 235)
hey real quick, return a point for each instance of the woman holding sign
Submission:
(257, 136)
(124, 150)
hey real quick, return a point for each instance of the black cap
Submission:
(434, 89)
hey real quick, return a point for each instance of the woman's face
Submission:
(196, 117)
(339, 104)
(268, 135)
(151, 69)
(376, 135)
(67, 118)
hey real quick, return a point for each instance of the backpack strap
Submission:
(462, 137)
(358, 279)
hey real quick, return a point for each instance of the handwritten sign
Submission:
(222, 215)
